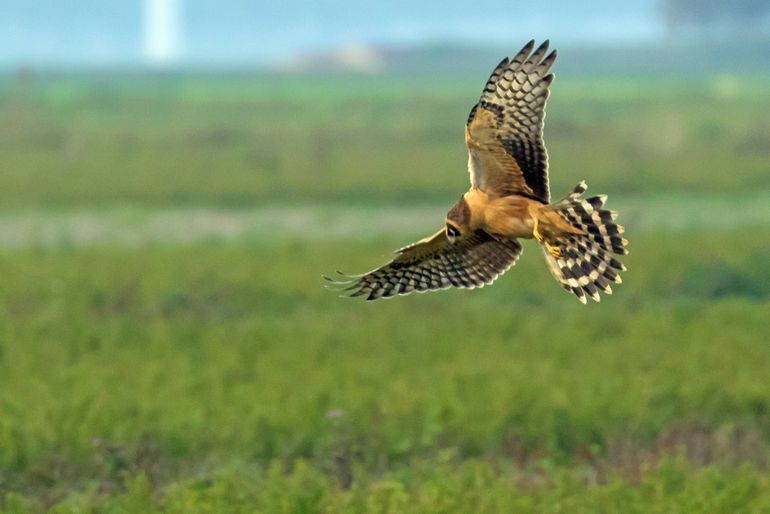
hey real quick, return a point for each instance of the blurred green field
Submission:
(241, 141)
(215, 374)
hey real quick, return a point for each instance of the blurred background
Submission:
(176, 175)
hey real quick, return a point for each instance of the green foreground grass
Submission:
(224, 378)
(437, 487)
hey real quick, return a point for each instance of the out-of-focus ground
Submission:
(133, 226)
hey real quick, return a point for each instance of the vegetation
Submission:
(254, 140)
(221, 377)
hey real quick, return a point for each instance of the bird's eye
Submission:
(452, 232)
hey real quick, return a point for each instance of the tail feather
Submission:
(585, 265)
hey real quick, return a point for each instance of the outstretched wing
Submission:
(435, 263)
(504, 133)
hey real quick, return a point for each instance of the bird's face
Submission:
(452, 232)
(457, 220)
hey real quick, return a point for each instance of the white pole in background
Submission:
(162, 31)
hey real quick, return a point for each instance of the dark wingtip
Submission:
(543, 46)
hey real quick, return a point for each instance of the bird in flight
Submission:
(509, 199)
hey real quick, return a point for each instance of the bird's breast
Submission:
(506, 216)
(478, 206)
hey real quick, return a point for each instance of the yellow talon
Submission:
(553, 250)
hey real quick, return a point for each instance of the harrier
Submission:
(508, 199)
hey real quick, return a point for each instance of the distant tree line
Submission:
(717, 18)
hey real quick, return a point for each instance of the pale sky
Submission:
(232, 32)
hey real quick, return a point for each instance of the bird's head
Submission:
(457, 220)
(452, 232)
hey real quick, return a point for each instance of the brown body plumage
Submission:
(508, 216)
(508, 199)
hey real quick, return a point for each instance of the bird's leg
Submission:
(535, 232)
(553, 250)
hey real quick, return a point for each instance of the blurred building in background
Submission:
(716, 19)
(162, 30)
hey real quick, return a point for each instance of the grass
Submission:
(181, 361)
(473, 486)
(266, 140)
(215, 374)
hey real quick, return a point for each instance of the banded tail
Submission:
(585, 265)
